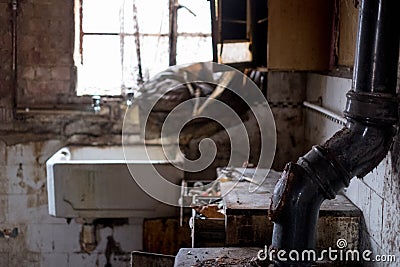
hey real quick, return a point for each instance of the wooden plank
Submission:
(140, 259)
(247, 222)
(208, 232)
(246, 212)
(248, 230)
(165, 235)
(238, 198)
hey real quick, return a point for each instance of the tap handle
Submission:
(96, 100)
(129, 97)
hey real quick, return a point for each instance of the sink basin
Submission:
(95, 182)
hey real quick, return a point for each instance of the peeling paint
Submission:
(113, 248)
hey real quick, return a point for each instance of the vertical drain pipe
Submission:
(371, 113)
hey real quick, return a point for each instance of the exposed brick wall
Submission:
(5, 56)
(45, 51)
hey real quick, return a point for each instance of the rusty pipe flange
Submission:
(283, 189)
(373, 108)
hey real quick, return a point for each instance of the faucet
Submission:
(129, 95)
(96, 100)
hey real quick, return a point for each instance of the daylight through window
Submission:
(120, 43)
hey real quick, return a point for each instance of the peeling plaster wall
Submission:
(43, 240)
(378, 193)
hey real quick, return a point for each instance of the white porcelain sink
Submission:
(95, 182)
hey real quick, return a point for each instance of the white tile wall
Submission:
(332, 91)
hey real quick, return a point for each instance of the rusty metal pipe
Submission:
(371, 113)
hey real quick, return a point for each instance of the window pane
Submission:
(101, 65)
(101, 16)
(155, 55)
(153, 16)
(187, 22)
(193, 49)
(151, 20)
(131, 69)
(235, 52)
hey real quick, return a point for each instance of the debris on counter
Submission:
(201, 189)
(220, 256)
(222, 261)
(210, 211)
(232, 174)
(225, 261)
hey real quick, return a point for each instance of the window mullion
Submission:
(81, 30)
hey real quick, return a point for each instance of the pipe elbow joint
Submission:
(360, 147)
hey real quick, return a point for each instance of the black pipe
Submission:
(371, 113)
(377, 35)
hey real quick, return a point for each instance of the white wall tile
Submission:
(39, 238)
(332, 91)
(84, 260)
(129, 237)
(352, 191)
(102, 234)
(21, 153)
(375, 217)
(375, 178)
(391, 228)
(53, 238)
(66, 237)
(54, 260)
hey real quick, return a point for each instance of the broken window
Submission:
(121, 43)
